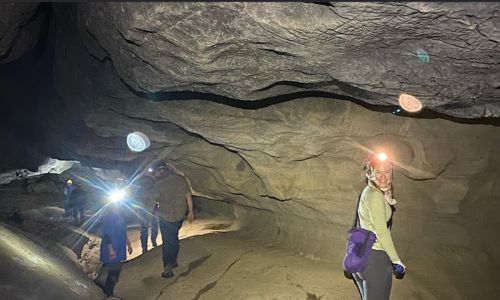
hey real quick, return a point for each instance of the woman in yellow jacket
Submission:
(375, 212)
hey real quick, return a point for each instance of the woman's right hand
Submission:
(399, 269)
(400, 263)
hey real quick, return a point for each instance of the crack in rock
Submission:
(310, 296)
(212, 284)
(193, 265)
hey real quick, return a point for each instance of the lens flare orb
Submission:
(410, 103)
(422, 55)
(138, 141)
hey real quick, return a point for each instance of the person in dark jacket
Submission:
(114, 244)
(68, 191)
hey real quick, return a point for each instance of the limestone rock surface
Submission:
(445, 54)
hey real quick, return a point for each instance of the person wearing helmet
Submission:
(173, 194)
(68, 191)
(375, 212)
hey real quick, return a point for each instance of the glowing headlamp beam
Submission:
(116, 196)
(382, 156)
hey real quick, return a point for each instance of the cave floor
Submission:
(225, 266)
(216, 261)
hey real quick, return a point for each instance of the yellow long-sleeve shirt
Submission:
(374, 212)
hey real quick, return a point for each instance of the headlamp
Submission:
(374, 159)
(117, 196)
(382, 156)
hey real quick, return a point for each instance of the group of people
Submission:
(165, 206)
(170, 200)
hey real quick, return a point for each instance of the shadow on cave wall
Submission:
(26, 87)
(309, 92)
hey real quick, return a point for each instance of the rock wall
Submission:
(20, 28)
(32, 272)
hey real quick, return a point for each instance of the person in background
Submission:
(147, 218)
(114, 244)
(173, 194)
(68, 191)
(375, 214)
(77, 203)
(146, 214)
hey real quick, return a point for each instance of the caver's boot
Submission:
(167, 272)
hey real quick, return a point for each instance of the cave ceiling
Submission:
(209, 82)
(445, 54)
(254, 51)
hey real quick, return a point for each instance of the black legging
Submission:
(376, 281)
(112, 278)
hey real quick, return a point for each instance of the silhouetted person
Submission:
(77, 203)
(113, 245)
(147, 211)
(68, 191)
(147, 218)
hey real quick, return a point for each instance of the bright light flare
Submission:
(117, 195)
(382, 156)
